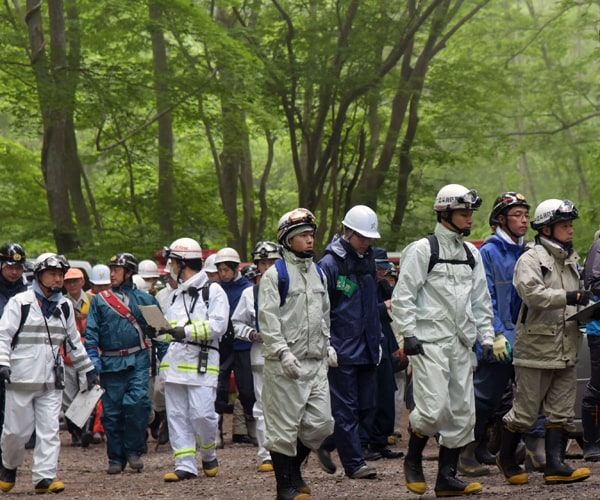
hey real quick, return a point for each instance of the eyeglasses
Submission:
(519, 216)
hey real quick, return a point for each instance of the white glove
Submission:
(290, 364)
(332, 357)
(380, 355)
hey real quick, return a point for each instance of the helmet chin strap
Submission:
(50, 289)
(462, 232)
(302, 255)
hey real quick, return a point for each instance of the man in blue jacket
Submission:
(355, 335)
(116, 327)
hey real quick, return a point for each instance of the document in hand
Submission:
(586, 315)
(83, 405)
(154, 317)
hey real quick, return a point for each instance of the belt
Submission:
(123, 352)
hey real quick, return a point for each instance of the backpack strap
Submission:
(283, 281)
(24, 313)
(435, 255)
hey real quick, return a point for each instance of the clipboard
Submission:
(154, 317)
(83, 405)
(586, 315)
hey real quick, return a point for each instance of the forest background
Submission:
(126, 125)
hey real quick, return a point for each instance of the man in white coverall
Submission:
(440, 312)
(264, 254)
(190, 367)
(295, 394)
(32, 367)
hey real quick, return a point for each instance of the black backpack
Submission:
(435, 255)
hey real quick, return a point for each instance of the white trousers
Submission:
(257, 413)
(24, 412)
(191, 413)
(443, 393)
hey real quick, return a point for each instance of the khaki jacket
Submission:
(544, 338)
(302, 323)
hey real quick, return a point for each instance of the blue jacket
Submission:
(234, 290)
(8, 290)
(355, 326)
(499, 259)
(109, 331)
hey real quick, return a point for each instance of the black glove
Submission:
(413, 346)
(177, 333)
(579, 297)
(151, 332)
(488, 353)
(5, 374)
(92, 379)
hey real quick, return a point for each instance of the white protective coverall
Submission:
(190, 395)
(447, 309)
(32, 401)
(244, 324)
(295, 409)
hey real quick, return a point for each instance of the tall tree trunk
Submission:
(56, 86)
(165, 127)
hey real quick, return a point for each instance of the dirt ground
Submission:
(84, 473)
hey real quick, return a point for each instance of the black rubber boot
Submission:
(75, 433)
(482, 452)
(413, 463)
(446, 484)
(283, 466)
(8, 478)
(298, 482)
(557, 471)
(590, 421)
(506, 457)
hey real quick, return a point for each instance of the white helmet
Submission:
(184, 249)
(209, 264)
(266, 250)
(227, 254)
(363, 220)
(50, 260)
(553, 210)
(148, 269)
(456, 197)
(100, 275)
(141, 283)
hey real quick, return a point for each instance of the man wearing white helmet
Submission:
(235, 353)
(35, 325)
(148, 271)
(211, 268)
(100, 278)
(356, 336)
(546, 349)
(441, 307)
(295, 331)
(198, 312)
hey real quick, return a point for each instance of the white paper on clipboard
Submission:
(154, 317)
(83, 405)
